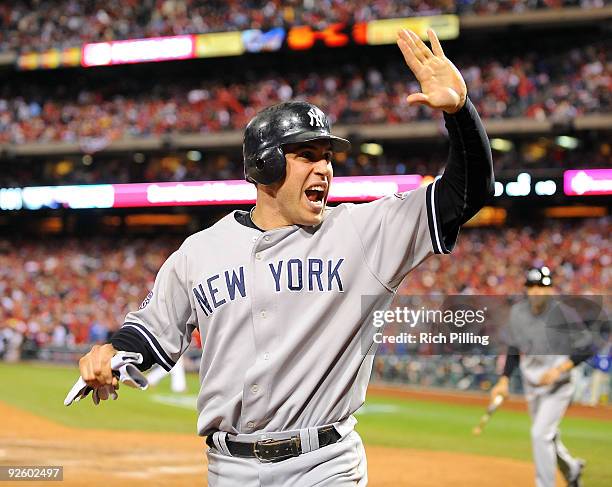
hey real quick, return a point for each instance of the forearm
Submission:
(582, 353)
(468, 181)
(512, 361)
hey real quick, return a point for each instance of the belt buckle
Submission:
(256, 451)
(295, 449)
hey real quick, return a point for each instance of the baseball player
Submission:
(276, 291)
(537, 327)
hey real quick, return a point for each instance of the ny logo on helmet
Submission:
(316, 117)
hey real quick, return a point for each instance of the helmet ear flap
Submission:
(266, 166)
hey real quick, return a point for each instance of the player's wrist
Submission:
(457, 108)
(109, 348)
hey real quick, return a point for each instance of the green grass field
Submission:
(383, 421)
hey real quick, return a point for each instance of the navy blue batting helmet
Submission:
(286, 123)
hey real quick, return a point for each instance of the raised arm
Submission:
(467, 182)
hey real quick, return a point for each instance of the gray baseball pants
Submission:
(546, 412)
(342, 464)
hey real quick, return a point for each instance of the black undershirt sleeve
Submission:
(129, 340)
(467, 183)
(579, 357)
(512, 361)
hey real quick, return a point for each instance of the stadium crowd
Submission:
(42, 24)
(494, 261)
(71, 291)
(557, 86)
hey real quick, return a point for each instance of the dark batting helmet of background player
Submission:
(286, 123)
(538, 276)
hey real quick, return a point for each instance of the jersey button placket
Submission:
(256, 391)
(253, 407)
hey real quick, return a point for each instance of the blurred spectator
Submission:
(43, 24)
(462, 372)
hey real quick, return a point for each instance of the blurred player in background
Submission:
(545, 373)
(178, 383)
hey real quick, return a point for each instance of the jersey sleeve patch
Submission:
(146, 300)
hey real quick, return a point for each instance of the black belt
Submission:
(275, 450)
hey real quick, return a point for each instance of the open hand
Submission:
(442, 86)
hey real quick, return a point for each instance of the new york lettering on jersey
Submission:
(292, 275)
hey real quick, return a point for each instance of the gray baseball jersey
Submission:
(545, 340)
(280, 311)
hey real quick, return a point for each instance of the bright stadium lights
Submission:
(10, 199)
(520, 187)
(81, 196)
(499, 188)
(502, 145)
(194, 155)
(372, 149)
(545, 188)
(567, 142)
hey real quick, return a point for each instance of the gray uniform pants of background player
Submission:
(342, 464)
(546, 412)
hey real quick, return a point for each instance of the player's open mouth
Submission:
(315, 194)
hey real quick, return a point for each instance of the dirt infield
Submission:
(100, 458)
(479, 399)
